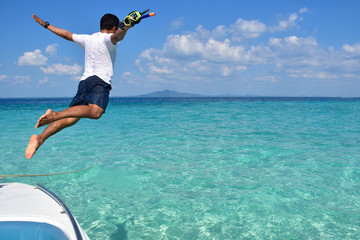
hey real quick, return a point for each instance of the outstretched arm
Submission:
(58, 31)
(119, 34)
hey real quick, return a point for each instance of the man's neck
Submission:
(106, 31)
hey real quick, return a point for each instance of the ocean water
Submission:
(202, 168)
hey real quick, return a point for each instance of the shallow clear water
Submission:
(216, 168)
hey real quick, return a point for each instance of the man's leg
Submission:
(59, 121)
(37, 140)
(80, 111)
(98, 96)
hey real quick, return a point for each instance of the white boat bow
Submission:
(33, 212)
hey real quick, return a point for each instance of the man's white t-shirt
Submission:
(100, 54)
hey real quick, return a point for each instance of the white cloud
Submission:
(157, 70)
(183, 46)
(226, 71)
(51, 49)
(128, 77)
(293, 42)
(232, 53)
(197, 66)
(44, 80)
(293, 47)
(21, 79)
(222, 51)
(177, 23)
(303, 10)
(271, 79)
(248, 29)
(189, 47)
(310, 74)
(291, 22)
(220, 32)
(351, 75)
(355, 49)
(350, 65)
(199, 52)
(35, 58)
(61, 69)
(147, 54)
(3, 78)
(325, 75)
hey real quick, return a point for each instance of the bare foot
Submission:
(47, 118)
(33, 145)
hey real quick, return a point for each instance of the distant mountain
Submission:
(169, 93)
(173, 94)
(228, 95)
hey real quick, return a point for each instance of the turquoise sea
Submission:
(199, 168)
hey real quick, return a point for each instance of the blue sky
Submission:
(260, 47)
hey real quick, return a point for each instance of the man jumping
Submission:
(94, 87)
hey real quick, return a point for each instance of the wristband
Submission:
(47, 24)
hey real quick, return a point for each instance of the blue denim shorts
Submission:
(92, 90)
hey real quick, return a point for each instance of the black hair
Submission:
(108, 21)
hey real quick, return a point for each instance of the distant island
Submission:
(174, 94)
(168, 93)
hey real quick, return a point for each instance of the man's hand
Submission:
(132, 19)
(58, 31)
(39, 20)
(135, 17)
